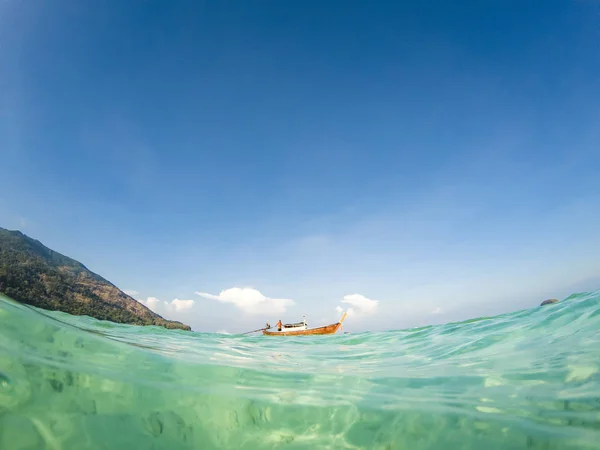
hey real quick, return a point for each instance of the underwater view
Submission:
(524, 380)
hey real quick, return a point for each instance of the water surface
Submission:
(526, 380)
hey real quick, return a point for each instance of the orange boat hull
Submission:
(327, 329)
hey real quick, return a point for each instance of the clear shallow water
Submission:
(526, 380)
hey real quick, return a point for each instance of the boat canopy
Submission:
(294, 325)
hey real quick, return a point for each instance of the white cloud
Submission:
(180, 305)
(359, 305)
(176, 305)
(437, 310)
(251, 301)
(151, 302)
(339, 309)
(131, 292)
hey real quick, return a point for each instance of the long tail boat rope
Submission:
(254, 331)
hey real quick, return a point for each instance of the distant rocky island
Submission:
(549, 301)
(33, 274)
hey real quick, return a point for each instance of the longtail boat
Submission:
(301, 329)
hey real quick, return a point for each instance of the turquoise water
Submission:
(525, 380)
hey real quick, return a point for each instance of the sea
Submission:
(528, 379)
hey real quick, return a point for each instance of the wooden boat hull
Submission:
(327, 329)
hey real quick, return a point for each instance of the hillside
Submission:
(32, 273)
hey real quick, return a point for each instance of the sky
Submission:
(235, 163)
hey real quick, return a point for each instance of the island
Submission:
(33, 274)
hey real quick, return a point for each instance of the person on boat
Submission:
(279, 325)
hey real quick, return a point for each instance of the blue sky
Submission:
(441, 160)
